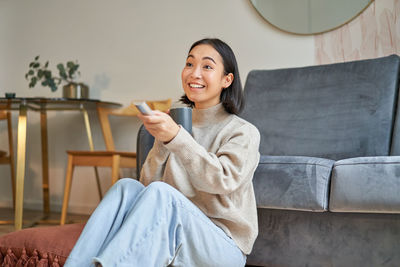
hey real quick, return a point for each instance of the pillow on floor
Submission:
(42, 246)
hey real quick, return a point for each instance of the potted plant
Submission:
(39, 72)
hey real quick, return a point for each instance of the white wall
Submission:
(127, 50)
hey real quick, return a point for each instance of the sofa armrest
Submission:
(144, 143)
(366, 184)
(292, 182)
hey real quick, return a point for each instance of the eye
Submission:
(188, 64)
(208, 67)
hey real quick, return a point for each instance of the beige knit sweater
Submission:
(214, 169)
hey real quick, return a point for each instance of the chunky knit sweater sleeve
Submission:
(153, 167)
(222, 171)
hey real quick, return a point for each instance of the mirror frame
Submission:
(314, 33)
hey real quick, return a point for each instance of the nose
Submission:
(196, 72)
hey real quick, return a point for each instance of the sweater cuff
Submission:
(159, 147)
(179, 141)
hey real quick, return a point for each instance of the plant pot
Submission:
(76, 90)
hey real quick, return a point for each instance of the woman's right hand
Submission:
(160, 125)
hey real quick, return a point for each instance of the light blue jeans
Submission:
(152, 226)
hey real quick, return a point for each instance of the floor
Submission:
(7, 214)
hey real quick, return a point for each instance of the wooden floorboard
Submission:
(7, 214)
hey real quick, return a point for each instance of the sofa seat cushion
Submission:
(292, 182)
(366, 184)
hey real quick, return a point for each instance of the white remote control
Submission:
(143, 108)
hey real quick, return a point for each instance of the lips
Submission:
(196, 86)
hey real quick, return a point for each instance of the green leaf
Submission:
(47, 74)
(44, 83)
(40, 74)
(31, 72)
(33, 81)
(37, 57)
(61, 70)
(52, 85)
(63, 75)
(70, 64)
(31, 64)
(46, 65)
(36, 65)
(70, 73)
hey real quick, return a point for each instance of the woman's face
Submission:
(203, 77)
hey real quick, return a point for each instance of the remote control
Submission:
(143, 108)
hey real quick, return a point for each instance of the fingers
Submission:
(160, 125)
(157, 117)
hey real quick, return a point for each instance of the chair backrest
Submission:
(6, 115)
(131, 110)
(332, 111)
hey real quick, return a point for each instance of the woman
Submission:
(195, 205)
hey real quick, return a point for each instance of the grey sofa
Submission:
(328, 182)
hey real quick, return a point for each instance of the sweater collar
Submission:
(212, 115)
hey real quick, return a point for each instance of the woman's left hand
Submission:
(160, 125)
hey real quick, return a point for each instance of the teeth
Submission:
(196, 85)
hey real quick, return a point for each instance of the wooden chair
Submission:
(110, 157)
(8, 158)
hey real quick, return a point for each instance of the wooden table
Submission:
(42, 105)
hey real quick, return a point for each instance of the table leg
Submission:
(91, 146)
(21, 153)
(45, 162)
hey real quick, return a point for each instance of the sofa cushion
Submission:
(44, 246)
(334, 111)
(297, 183)
(366, 184)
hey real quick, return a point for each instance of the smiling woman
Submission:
(195, 203)
(309, 16)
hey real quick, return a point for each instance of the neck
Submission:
(212, 115)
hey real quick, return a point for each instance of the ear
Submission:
(227, 80)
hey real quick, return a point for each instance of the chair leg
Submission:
(96, 172)
(12, 169)
(115, 169)
(67, 189)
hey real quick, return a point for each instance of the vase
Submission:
(76, 90)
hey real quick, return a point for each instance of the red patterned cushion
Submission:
(42, 247)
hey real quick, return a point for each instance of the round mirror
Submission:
(309, 16)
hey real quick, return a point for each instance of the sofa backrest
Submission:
(332, 111)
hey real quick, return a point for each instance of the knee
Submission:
(157, 185)
(160, 188)
(128, 184)
(124, 181)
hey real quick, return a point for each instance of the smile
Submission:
(193, 85)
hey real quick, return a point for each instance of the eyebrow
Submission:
(209, 58)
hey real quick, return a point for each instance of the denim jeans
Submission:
(152, 226)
